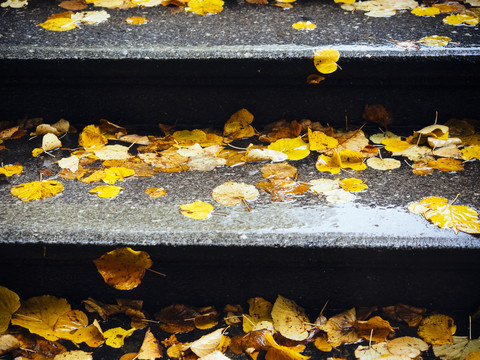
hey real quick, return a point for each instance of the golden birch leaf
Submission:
(106, 191)
(156, 192)
(37, 190)
(8, 343)
(259, 310)
(176, 318)
(373, 352)
(383, 164)
(91, 136)
(70, 163)
(197, 210)
(233, 193)
(426, 11)
(322, 344)
(277, 351)
(325, 60)
(468, 153)
(446, 165)
(435, 40)
(378, 138)
(352, 160)
(283, 189)
(321, 186)
(395, 144)
(473, 356)
(59, 23)
(436, 131)
(216, 355)
(189, 137)
(304, 25)
(458, 19)
(295, 149)
(460, 349)
(50, 142)
(207, 344)
(279, 171)
(341, 328)
(10, 170)
(117, 173)
(69, 322)
(238, 126)
(352, 184)
(150, 348)
(374, 329)
(123, 268)
(318, 140)
(407, 346)
(204, 7)
(437, 329)
(112, 152)
(9, 303)
(331, 164)
(40, 314)
(339, 196)
(290, 320)
(92, 335)
(115, 337)
(345, 1)
(136, 20)
(74, 355)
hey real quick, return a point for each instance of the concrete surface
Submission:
(241, 31)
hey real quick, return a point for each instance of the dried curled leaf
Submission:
(123, 268)
(238, 126)
(341, 328)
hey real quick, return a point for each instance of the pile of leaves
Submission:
(107, 155)
(46, 327)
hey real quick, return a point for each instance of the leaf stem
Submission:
(248, 207)
(156, 272)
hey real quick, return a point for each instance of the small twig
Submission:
(470, 327)
(324, 306)
(150, 321)
(250, 321)
(436, 118)
(220, 214)
(156, 272)
(245, 203)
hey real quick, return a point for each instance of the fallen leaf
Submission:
(204, 7)
(322, 343)
(373, 352)
(123, 268)
(115, 337)
(374, 329)
(112, 152)
(295, 149)
(74, 355)
(91, 17)
(426, 11)
(156, 192)
(437, 329)
(352, 140)
(401, 312)
(197, 210)
(91, 137)
(233, 193)
(216, 355)
(469, 153)
(407, 346)
(40, 314)
(8, 342)
(437, 143)
(315, 78)
(262, 154)
(238, 126)
(318, 140)
(378, 114)
(325, 60)
(106, 191)
(15, 4)
(207, 344)
(459, 19)
(279, 171)
(304, 25)
(277, 351)
(450, 151)
(341, 328)
(9, 303)
(459, 349)
(352, 184)
(10, 170)
(59, 22)
(150, 348)
(413, 153)
(37, 190)
(259, 310)
(50, 142)
(435, 40)
(395, 144)
(446, 165)
(73, 4)
(321, 186)
(473, 356)
(381, 8)
(451, 7)
(383, 164)
(176, 318)
(283, 189)
(408, 45)
(136, 20)
(207, 319)
(290, 320)
(71, 163)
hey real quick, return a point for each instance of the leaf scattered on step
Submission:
(37, 190)
(325, 60)
(437, 329)
(106, 191)
(198, 210)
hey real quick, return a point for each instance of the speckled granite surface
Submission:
(378, 218)
(242, 30)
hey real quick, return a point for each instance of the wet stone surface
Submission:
(378, 218)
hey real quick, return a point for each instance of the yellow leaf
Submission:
(74, 355)
(352, 184)
(150, 348)
(207, 344)
(383, 164)
(437, 329)
(341, 328)
(374, 329)
(9, 303)
(468, 153)
(115, 337)
(290, 320)
(37, 190)
(345, 1)
(295, 149)
(315, 78)
(352, 160)
(59, 22)
(204, 7)
(91, 137)
(156, 192)
(441, 213)
(277, 351)
(37, 151)
(117, 173)
(238, 126)
(40, 314)
(112, 152)
(446, 164)
(435, 40)
(50, 142)
(189, 137)
(197, 210)
(10, 170)
(395, 145)
(473, 356)
(331, 164)
(325, 60)
(426, 11)
(73, 326)
(106, 191)
(318, 140)
(304, 25)
(458, 19)
(123, 268)
(407, 346)
(259, 310)
(233, 193)
(460, 348)
(136, 20)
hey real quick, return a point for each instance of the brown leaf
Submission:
(377, 114)
(254, 340)
(177, 318)
(341, 328)
(73, 5)
(421, 168)
(283, 189)
(401, 312)
(375, 329)
(283, 171)
(257, 1)
(281, 130)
